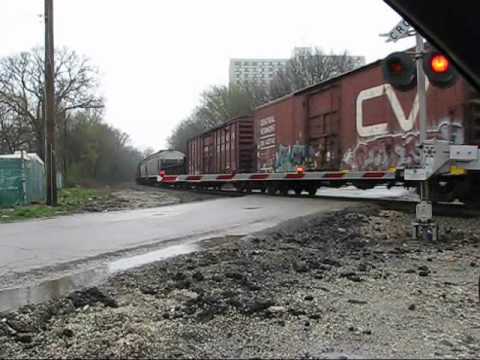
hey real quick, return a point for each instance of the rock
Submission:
(446, 342)
(296, 312)
(331, 262)
(315, 316)
(252, 286)
(307, 323)
(90, 297)
(277, 309)
(424, 268)
(423, 273)
(6, 330)
(469, 339)
(357, 302)
(148, 290)
(412, 307)
(258, 305)
(235, 276)
(198, 276)
(367, 332)
(410, 271)
(178, 276)
(341, 230)
(18, 325)
(67, 332)
(308, 298)
(362, 267)
(281, 322)
(473, 264)
(25, 338)
(182, 284)
(217, 278)
(300, 266)
(352, 328)
(166, 315)
(352, 276)
(184, 295)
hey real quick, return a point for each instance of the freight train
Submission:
(351, 129)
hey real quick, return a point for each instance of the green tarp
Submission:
(22, 180)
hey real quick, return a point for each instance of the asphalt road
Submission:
(42, 244)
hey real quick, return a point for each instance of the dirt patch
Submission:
(139, 197)
(349, 285)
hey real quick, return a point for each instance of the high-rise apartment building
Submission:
(259, 71)
(262, 71)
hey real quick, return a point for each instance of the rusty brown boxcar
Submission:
(357, 122)
(226, 149)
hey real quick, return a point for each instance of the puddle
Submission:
(139, 260)
(14, 298)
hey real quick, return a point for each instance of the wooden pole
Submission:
(50, 107)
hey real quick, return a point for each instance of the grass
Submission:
(70, 200)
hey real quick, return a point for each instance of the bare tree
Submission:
(310, 68)
(218, 104)
(15, 133)
(22, 88)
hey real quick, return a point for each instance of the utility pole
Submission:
(50, 106)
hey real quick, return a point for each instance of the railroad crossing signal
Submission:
(400, 31)
(400, 71)
(439, 69)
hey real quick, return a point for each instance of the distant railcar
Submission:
(228, 148)
(169, 162)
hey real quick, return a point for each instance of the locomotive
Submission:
(352, 129)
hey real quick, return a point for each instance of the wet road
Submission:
(50, 243)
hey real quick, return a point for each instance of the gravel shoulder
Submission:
(348, 285)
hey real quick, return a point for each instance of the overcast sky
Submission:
(156, 56)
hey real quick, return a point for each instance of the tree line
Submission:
(222, 103)
(88, 149)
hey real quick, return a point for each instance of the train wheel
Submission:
(284, 190)
(271, 190)
(312, 191)
(298, 191)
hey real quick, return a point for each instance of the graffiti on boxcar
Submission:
(379, 147)
(398, 150)
(288, 158)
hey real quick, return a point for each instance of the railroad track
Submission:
(439, 209)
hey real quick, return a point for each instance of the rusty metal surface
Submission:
(225, 149)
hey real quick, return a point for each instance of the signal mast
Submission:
(404, 71)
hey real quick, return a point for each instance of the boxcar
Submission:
(357, 122)
(228, 148)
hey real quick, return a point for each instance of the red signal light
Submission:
(396, 68)
(439, 69)
(300, 170)
(440, 63)
(400, 71)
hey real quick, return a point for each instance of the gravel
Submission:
(303, 290)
